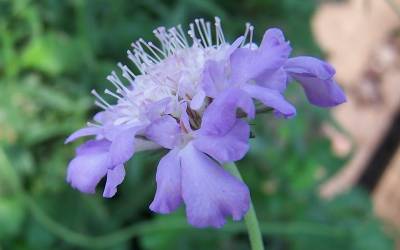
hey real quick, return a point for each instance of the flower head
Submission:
(185, 97)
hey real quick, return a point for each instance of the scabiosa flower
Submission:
(187, 97)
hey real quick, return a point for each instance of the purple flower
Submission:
(186, 98)
(188, 173)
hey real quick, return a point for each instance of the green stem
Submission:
(251, 220)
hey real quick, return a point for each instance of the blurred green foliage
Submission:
(52, 53)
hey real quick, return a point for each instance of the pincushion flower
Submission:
(194, 99)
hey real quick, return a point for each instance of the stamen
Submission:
(192, 34)
(114, 79)
(177, 38)
(127, 73)
(136, 61)
(147, 58)
(209, 37)
(166, 40)
(100, 99)
(251, 28)
(203, 40)
(157, 49)
(175, 44)
(97, 103)
(150, 49)
(219, 31)
(153, 81)
(162, 37)
(216, 24)
(246, 32)
(182, 34)
(108, 92)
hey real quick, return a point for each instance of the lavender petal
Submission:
(198, 99)
(168, 177)
(316, 78)
(226, 148)
(271, 98)
(247, 64)
(220, 115)
(82, 132)
(87, 169)
(276, 80)
(123, 146)
(164, 131)
(93, 146)
(214, 79)
(210, 193)
(115, 177)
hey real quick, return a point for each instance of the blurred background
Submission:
(327, 179)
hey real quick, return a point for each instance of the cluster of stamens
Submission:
(159, 68)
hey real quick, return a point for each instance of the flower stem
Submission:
(251, 220)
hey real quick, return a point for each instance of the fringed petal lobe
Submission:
(168, 177)
(89, 166)
(210, 193)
